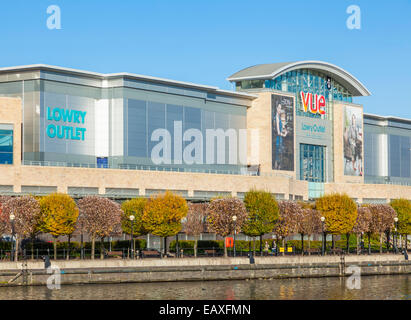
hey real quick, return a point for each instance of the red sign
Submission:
(316, 105)
(229, 242)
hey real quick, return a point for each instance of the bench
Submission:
(150, 253)
(117, 254)
(312, 250)
(336, 251)
(210, 252)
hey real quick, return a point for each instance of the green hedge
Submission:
(242, 245)
(115, 245)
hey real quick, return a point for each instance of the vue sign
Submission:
(316, 105)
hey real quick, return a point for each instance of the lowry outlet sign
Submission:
(313, 103)
(66, 124)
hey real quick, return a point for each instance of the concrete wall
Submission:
(160, 270)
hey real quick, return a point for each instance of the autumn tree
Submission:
(163, 214)
(3, 219)
(340, 213)
(194, 223)
(59, 215)
(134, 207)
(382, 219)
(100, 218)
(262, 209)
(26, 211)
(362, 226)
(309, 224)
(287, 223)
(403, 209)
(220, 214)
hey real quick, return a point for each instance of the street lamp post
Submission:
(395, 235)
(235, 231)
(132, 231)
(12, 217)
(323, 244)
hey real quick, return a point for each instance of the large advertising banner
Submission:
(353, 141)
(282, 127)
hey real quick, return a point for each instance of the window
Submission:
(6, 144)
(312, 163)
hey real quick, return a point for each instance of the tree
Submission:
(287, 224)
(220, 214)
(310, 224)
(59, 214)
(163, 214)
(403, 209)
(262, 209)
(340, 213)
(362, 225)
(26, 210)
(382, 219)
(100, 217)
(194, 223)
(3, 219)
(134, 207)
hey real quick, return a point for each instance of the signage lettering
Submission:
(316, 105)
(65, 131)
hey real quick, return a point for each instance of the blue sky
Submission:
(206, 41)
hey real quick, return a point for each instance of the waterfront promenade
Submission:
(200, 269)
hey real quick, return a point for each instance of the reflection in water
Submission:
(372, 287)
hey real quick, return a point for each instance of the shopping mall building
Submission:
(290, 128)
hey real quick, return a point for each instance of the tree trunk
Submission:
(358, 244)
(348, 243)
(55, 247)
(302, 244)
(165, 246)
(225, 247)
(81, 246)
(309, 245)
(283, 247)
(332, 241)
(93, 246)
(261, 245)
(369, 243)
(406, 242)
(177, 253)
(388, 241)
(102, 248)
(195, 246)
(32, 248)
(16, 251)
(254, 246)
(381, 242)
(68, 250)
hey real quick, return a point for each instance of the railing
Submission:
(123, 166)
(126, 253)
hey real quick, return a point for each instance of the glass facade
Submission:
(307, 81)
(312, 163)
(6, 144)
(77, 121)
(387, 150)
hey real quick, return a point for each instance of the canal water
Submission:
(397, 287)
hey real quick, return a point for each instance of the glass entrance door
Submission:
(312, 163)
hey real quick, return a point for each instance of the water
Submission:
(396, 287)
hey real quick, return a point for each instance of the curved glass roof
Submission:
(273, 70)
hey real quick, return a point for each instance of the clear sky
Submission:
(207, 41)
